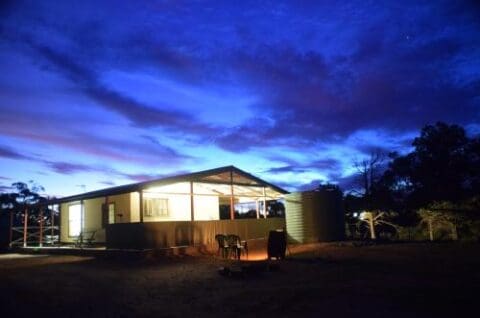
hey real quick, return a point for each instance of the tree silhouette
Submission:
(25, 195)
(369, 171)
(443, 170)
(451, 215)
(444, 166)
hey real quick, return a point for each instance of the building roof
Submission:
(222, 175)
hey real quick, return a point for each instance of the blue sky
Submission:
(106, 93)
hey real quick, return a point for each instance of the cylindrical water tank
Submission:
(314, 216)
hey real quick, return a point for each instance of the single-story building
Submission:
(181, 210)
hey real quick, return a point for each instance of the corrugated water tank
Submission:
(314, 216)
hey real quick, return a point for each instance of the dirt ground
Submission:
(324, 280)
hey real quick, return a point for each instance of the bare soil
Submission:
(320, 280)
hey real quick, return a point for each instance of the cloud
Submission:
(56, 166)
(315, 82)
(122, 148)
(397, 94)
(108, 183)
(283, 169)
(348, 183)
(8, 153)
(80, 72)
(391, 79)
(68, 168)
(370, 149)
(324, 165)
(140, 177)
(5, 189)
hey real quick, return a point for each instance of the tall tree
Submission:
(442, 167)
(24, 195)
(369, 172)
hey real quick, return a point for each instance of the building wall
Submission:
(134, 207)
(127, 211)
(182, 233)
(93, 217)
(122, 207)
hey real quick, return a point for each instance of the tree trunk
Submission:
(25, 227)
(11, 230)
(372, 227)
(365, 181)
(454, 232)
(430, 229)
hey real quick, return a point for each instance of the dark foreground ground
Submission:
(401, 280)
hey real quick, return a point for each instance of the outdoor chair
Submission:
(223, 246)
(85, 238)
(237, 246)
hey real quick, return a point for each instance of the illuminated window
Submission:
(74, 219)
(111, 213)
(155, 207)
